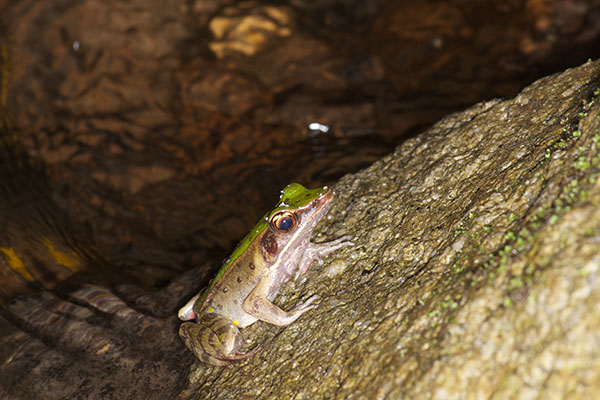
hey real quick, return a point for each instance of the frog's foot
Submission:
(214, 340)
(317, 251)
(257, 305)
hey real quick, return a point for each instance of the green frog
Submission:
(241, 293)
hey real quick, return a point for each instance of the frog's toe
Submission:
(239, 356)
(236, 356)
(342, 239)
(307, 305)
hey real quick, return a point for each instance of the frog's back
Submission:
(228, 293)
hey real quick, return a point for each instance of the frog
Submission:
(275, 250)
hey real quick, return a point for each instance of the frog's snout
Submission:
(324, 199)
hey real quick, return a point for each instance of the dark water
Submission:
(165, 130)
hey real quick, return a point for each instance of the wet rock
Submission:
(248, 27)
(474, 273)
(69, 347)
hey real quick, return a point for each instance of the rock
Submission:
(474, 275)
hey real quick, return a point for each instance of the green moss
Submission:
(460, 229)
(433, 313)
(510, 236)
(524, 233)
(526, 227)
(582, 163)
(515, 282)
(530, 268)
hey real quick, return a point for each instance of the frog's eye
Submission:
(284, 221)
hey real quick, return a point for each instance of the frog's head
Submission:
(288, 226)
(292, 221)
(297, 207)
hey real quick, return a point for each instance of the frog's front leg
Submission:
(214, 340)
(316, 251)
(258, 305)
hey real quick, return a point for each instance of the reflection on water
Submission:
(166, 130)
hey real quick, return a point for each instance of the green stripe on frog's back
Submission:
(293, 196)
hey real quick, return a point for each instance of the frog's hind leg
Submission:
(214, 340)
